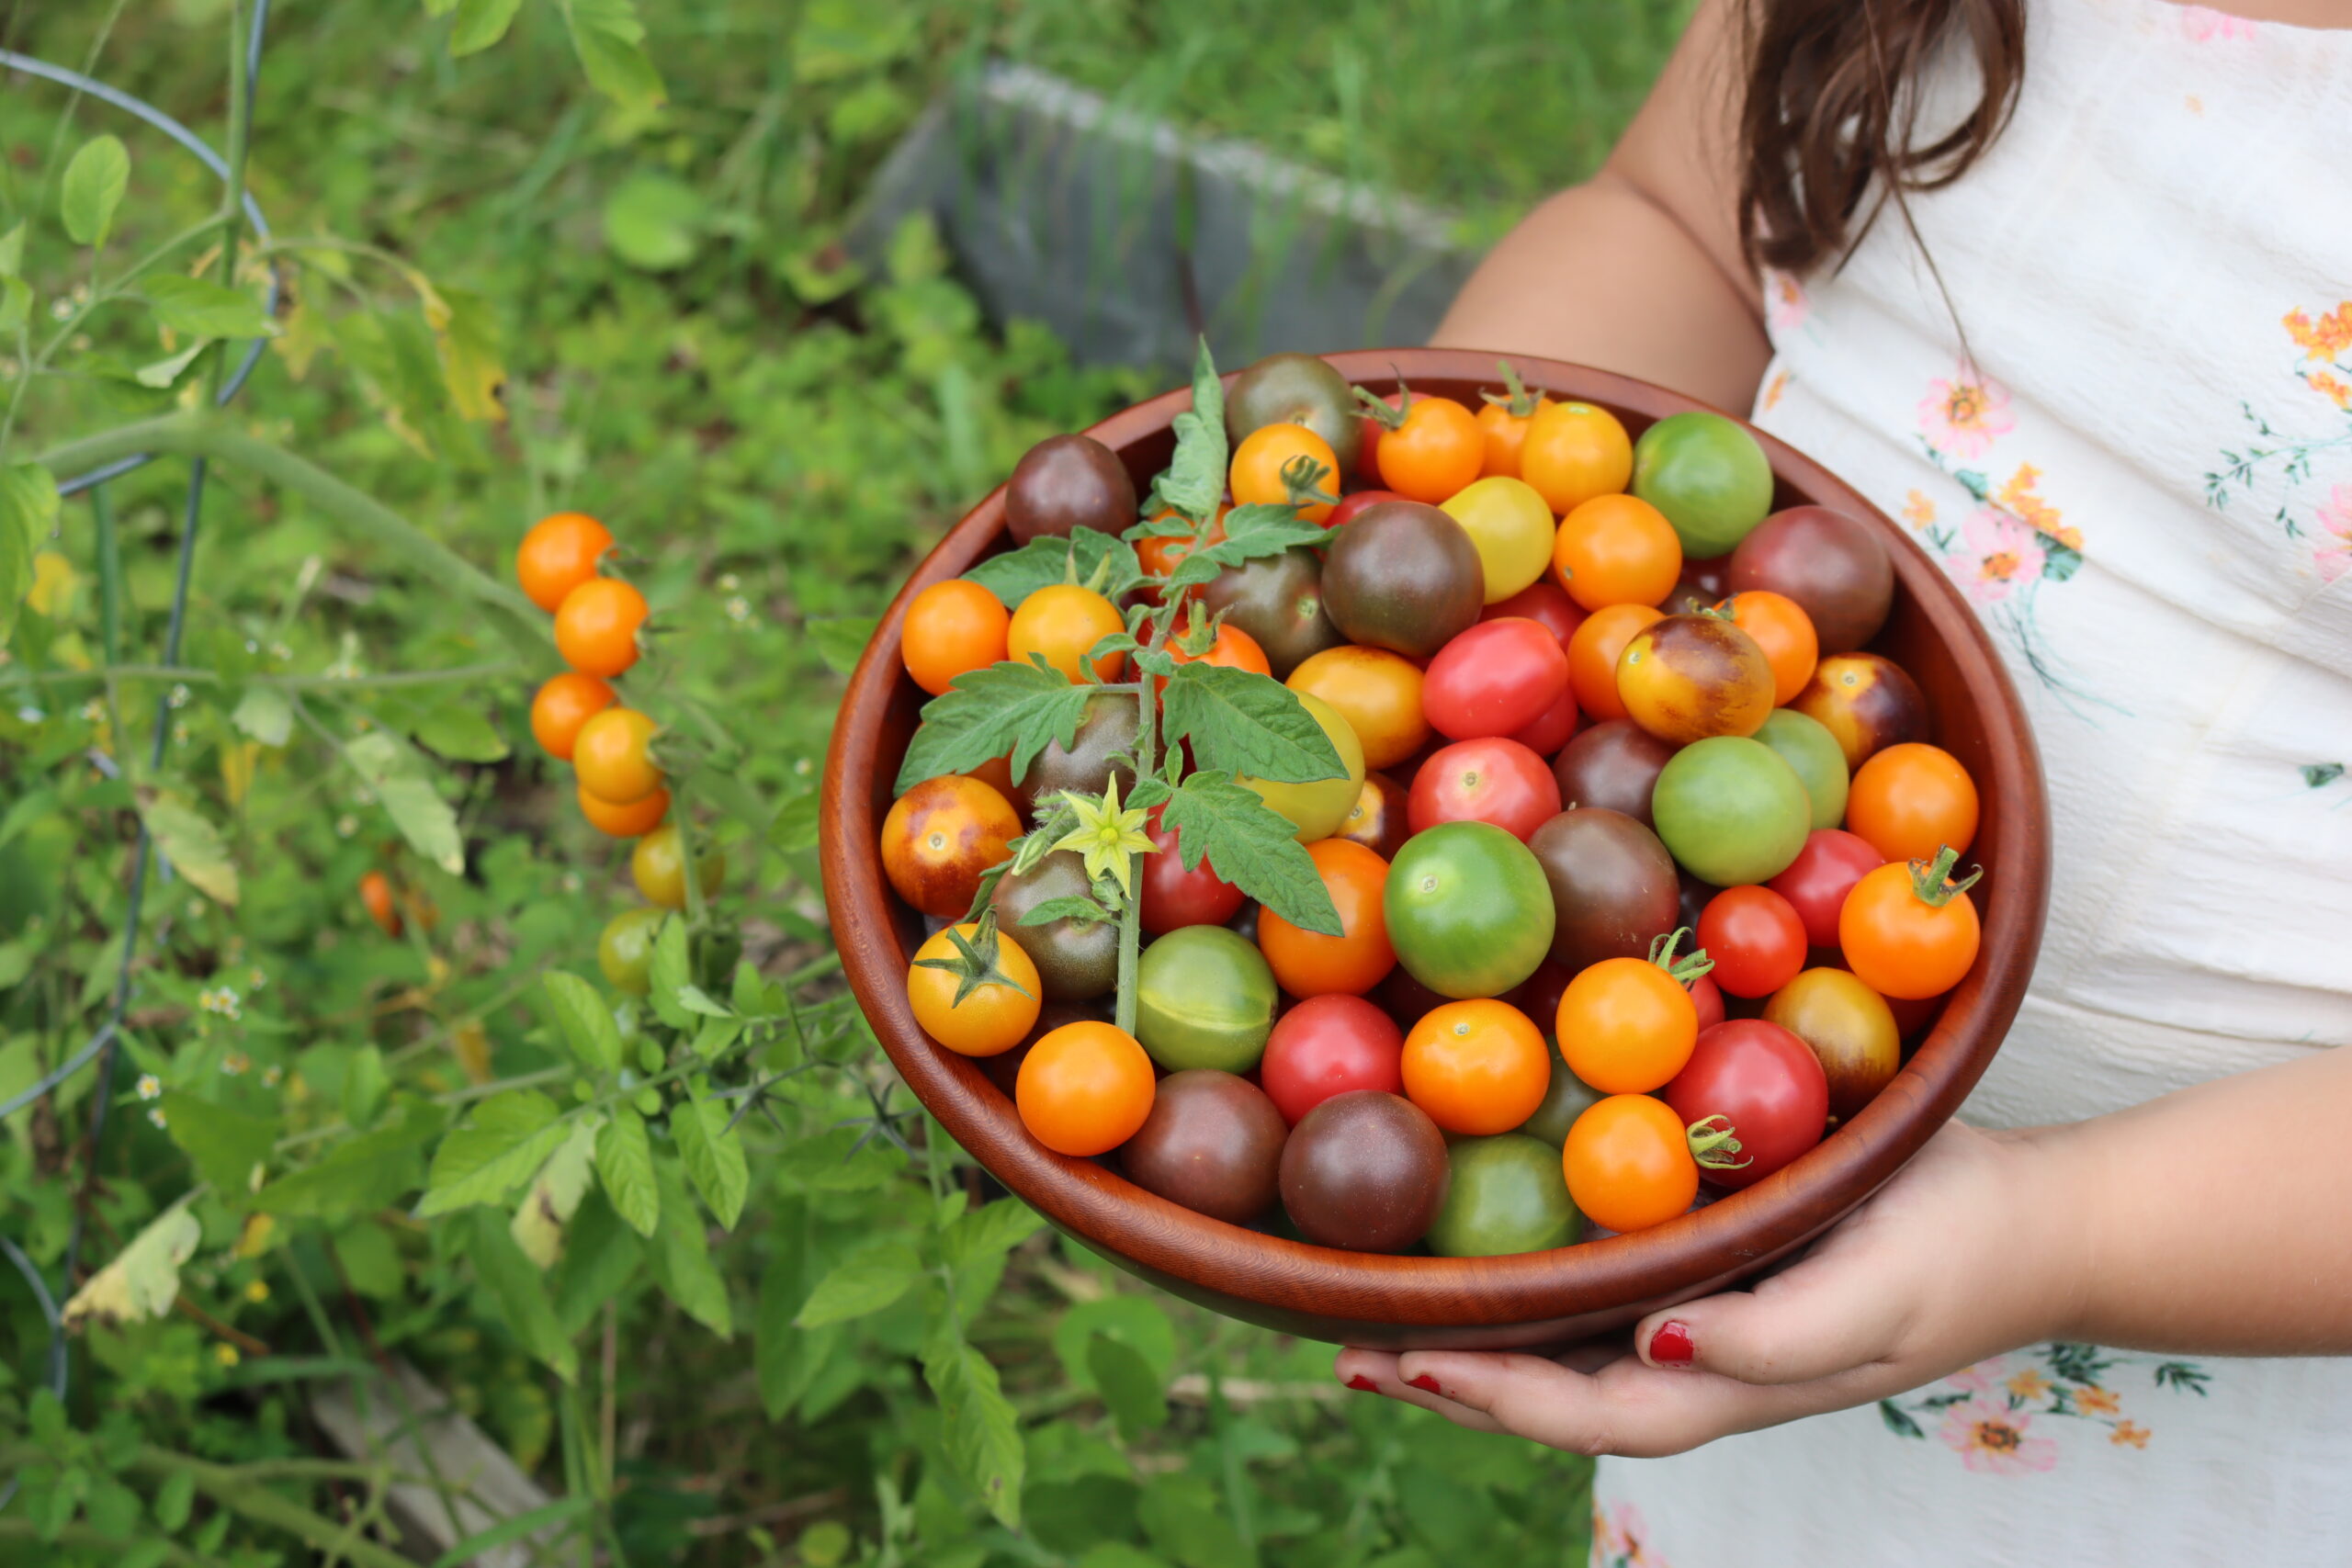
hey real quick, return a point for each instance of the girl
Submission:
(2065, 284)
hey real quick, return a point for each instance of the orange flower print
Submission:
(1991, 1440)
(1780, 384)
(1786, 305)
(2093, 1400)
(2323, 339)
(1618, 1532)
(2017, 498)
(1963, 416)
(2027, 1384)
(2333, 387)
(2129, 1433)
(1918, 510)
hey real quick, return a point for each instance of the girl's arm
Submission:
(2212, 1221)
(1639, 270)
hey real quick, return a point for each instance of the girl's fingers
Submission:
(1830, 1314)
(1376, 1371)
(1626, 1408)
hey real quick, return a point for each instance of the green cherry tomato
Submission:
(1730, 811)
(1563, 1101)
(625, 951)
(1317, 809)
(1709, 477)
(1469, 911)
(1205, 997)
(1806, 745)
(1508, 1194)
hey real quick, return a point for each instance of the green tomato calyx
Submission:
(1714, 1146)
(1928, 878)
(1518, 402)
(1689, 967)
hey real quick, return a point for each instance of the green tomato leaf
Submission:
(624, 1164)
(1252, 845)
(192, 844)
(1194, 481)
(554, 1195)
(681, 1259)
(865, 1281)
(1084, 911)
(521, 1295)
(28, 513)
(1127, 1385)
(361, 1175)
(15, 300)
(404, 781)
(480, 23)
(509, 1136)
(92, 189)
(1019, 708)
(607, 35)
(713, 1156)
(795, 828)
(989, 1231)
(840, 639)
(166, 371)
(1251, 533)
(584, 1022)
(198, 307)
(226, 1146)
(983, 1434)
(1247, 723)
(669, 974)
(143, 1281)
(1041, 563)
(654, 223)
(12, 252)
(266, 713)
(461, 735)
(464, 336)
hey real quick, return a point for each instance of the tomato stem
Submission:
(1928, 878)
(1303, 480)
(1689, 967)
(1712, 1146)
(1379, 411)
(1518, 402)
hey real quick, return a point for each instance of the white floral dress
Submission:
(2141, 473)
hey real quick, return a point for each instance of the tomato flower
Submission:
(1108, 836)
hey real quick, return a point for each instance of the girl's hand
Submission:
(1969, 1252)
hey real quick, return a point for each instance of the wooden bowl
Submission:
(1530, 1300)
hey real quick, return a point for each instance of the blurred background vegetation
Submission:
(774, 431)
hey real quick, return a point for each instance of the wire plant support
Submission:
(102, 1046)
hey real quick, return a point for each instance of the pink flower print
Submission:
(1999, 552)
(1618, 1531)
(2205, 25)
(2334, 556)
(1991, 1439)
(1963, 416)
(1980, 1378)
(1786, 305)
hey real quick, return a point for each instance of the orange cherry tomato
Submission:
(596, 627)
(1627, 1026)
(1629, 1164)
(1506, 433)
(1908, 931)
(1616, 549)
(613, 754)
(1593, 652)
(1063, 622)
(1307, 964)
(562, 706)
(1912, 800)
(558, 555)
(940, 836)
(1435, 448)
(951, 627)
(1477, 1068)
(658, 867)
(994, 1017)
(1160, 553)
(1573, 451)
(376, 894)
(1377, 692)
(1269, 460)
(633, 820)
(1084, 1088)
(1785, 632)
(1233, 649)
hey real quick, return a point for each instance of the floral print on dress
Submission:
(2323, 365)
(1963, 416)
(1620, 1534)
(2205, 25)
(1986, 1413)
(1786, 305)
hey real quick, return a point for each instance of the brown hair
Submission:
(1831, 110)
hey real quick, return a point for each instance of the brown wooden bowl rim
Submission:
(1751, 1226)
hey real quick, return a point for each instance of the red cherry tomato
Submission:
(1544, 601)
(1345, 512)
(1708, 997)
(1764, 1081)
(1173, 896)
(1756, 939)
(1368, 447)
(1554, 729)
(1817, 881)
(1496, 677)
(1329, 1045)
(1492, 780)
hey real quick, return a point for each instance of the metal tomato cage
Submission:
(101, 1047)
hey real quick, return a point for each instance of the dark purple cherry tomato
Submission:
(1213, 1143)
(1173, 896)
(1817, 881)
(1365, 1171)
(1405, 1000)
(1327, 1045)
(1612, 885)
(1491, 780)
(1496, 677)
(1613, 766)
(1755, 938)
(1763, 1080)
(1834, 566)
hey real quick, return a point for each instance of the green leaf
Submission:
(176, 1499)
(983, 1434)
(198, 307)
(681, 1260)
(989, 1231)
(796, 825)
(93, 188)
(1194, 481)
(1897, 1421)
(465, 337)
(1243, 722)
(500, 1147)
(461, 735)
(865, 1281)
(554, 1196)
(15, 300)
(669, 973)
(404, 781)
(365, 1085)
(1252, 845)
(266, 713)
(192, 844)
(1019, 708)
(1041, 563)
(1082, 909)
(1128, 1386)
(653, 223)
(624, 1164)
(480, 23)
(1251, 533)
(12, 252)
(143, 1281)
(607, 34)
(713, 1156)
(361, 1175)
(521, 1295)
(840, 640)
(28, 513)
(226, 1146)
(475, 1548)
(583, 1020)
(164, 372)
(600, 1257)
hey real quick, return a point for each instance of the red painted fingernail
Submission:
(1363, 1383)
(1426, 1383)
(1671, 1346)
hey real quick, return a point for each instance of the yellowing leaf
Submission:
(467, 336)
(143, 1281)
(555, 1193)
(53, 587)
(192, 844)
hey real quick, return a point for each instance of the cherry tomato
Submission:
(1908, 931)
(1817, 881)
(562, 706)
(1850, 1029)
(658, 867)
(376, 896)
(1161, 553)
(1616, 549)
(1494, 679)
(1377, 820)
(1492, 780)
(1707, 998)
(1369, 431)
(1785, 632)
(613, 754)
(994, 1016)
(558, 555)
(1766, 1083)
(1511, 528)
(1063, 622)
(1478, 1068)
(1378, 693)
(938, 839)
(1687, 677)
(1173, 896)
(1309, 964)
(1345, 512)
(630, 821)
(952, 627)
(1866, 702)
(1327, 1045)
(1628, 1163)
(1592, 657)
(1545, 601)
(625, 950)
(1434, 449)
(997, 773)
(1912, 800)
(1756, 939)
(596, 627)
(1231, 648)
(1272, 457)
(1552, 728)
(1573, 451)
(1504, 422)
(1626, 1025)
(1084, 1088)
